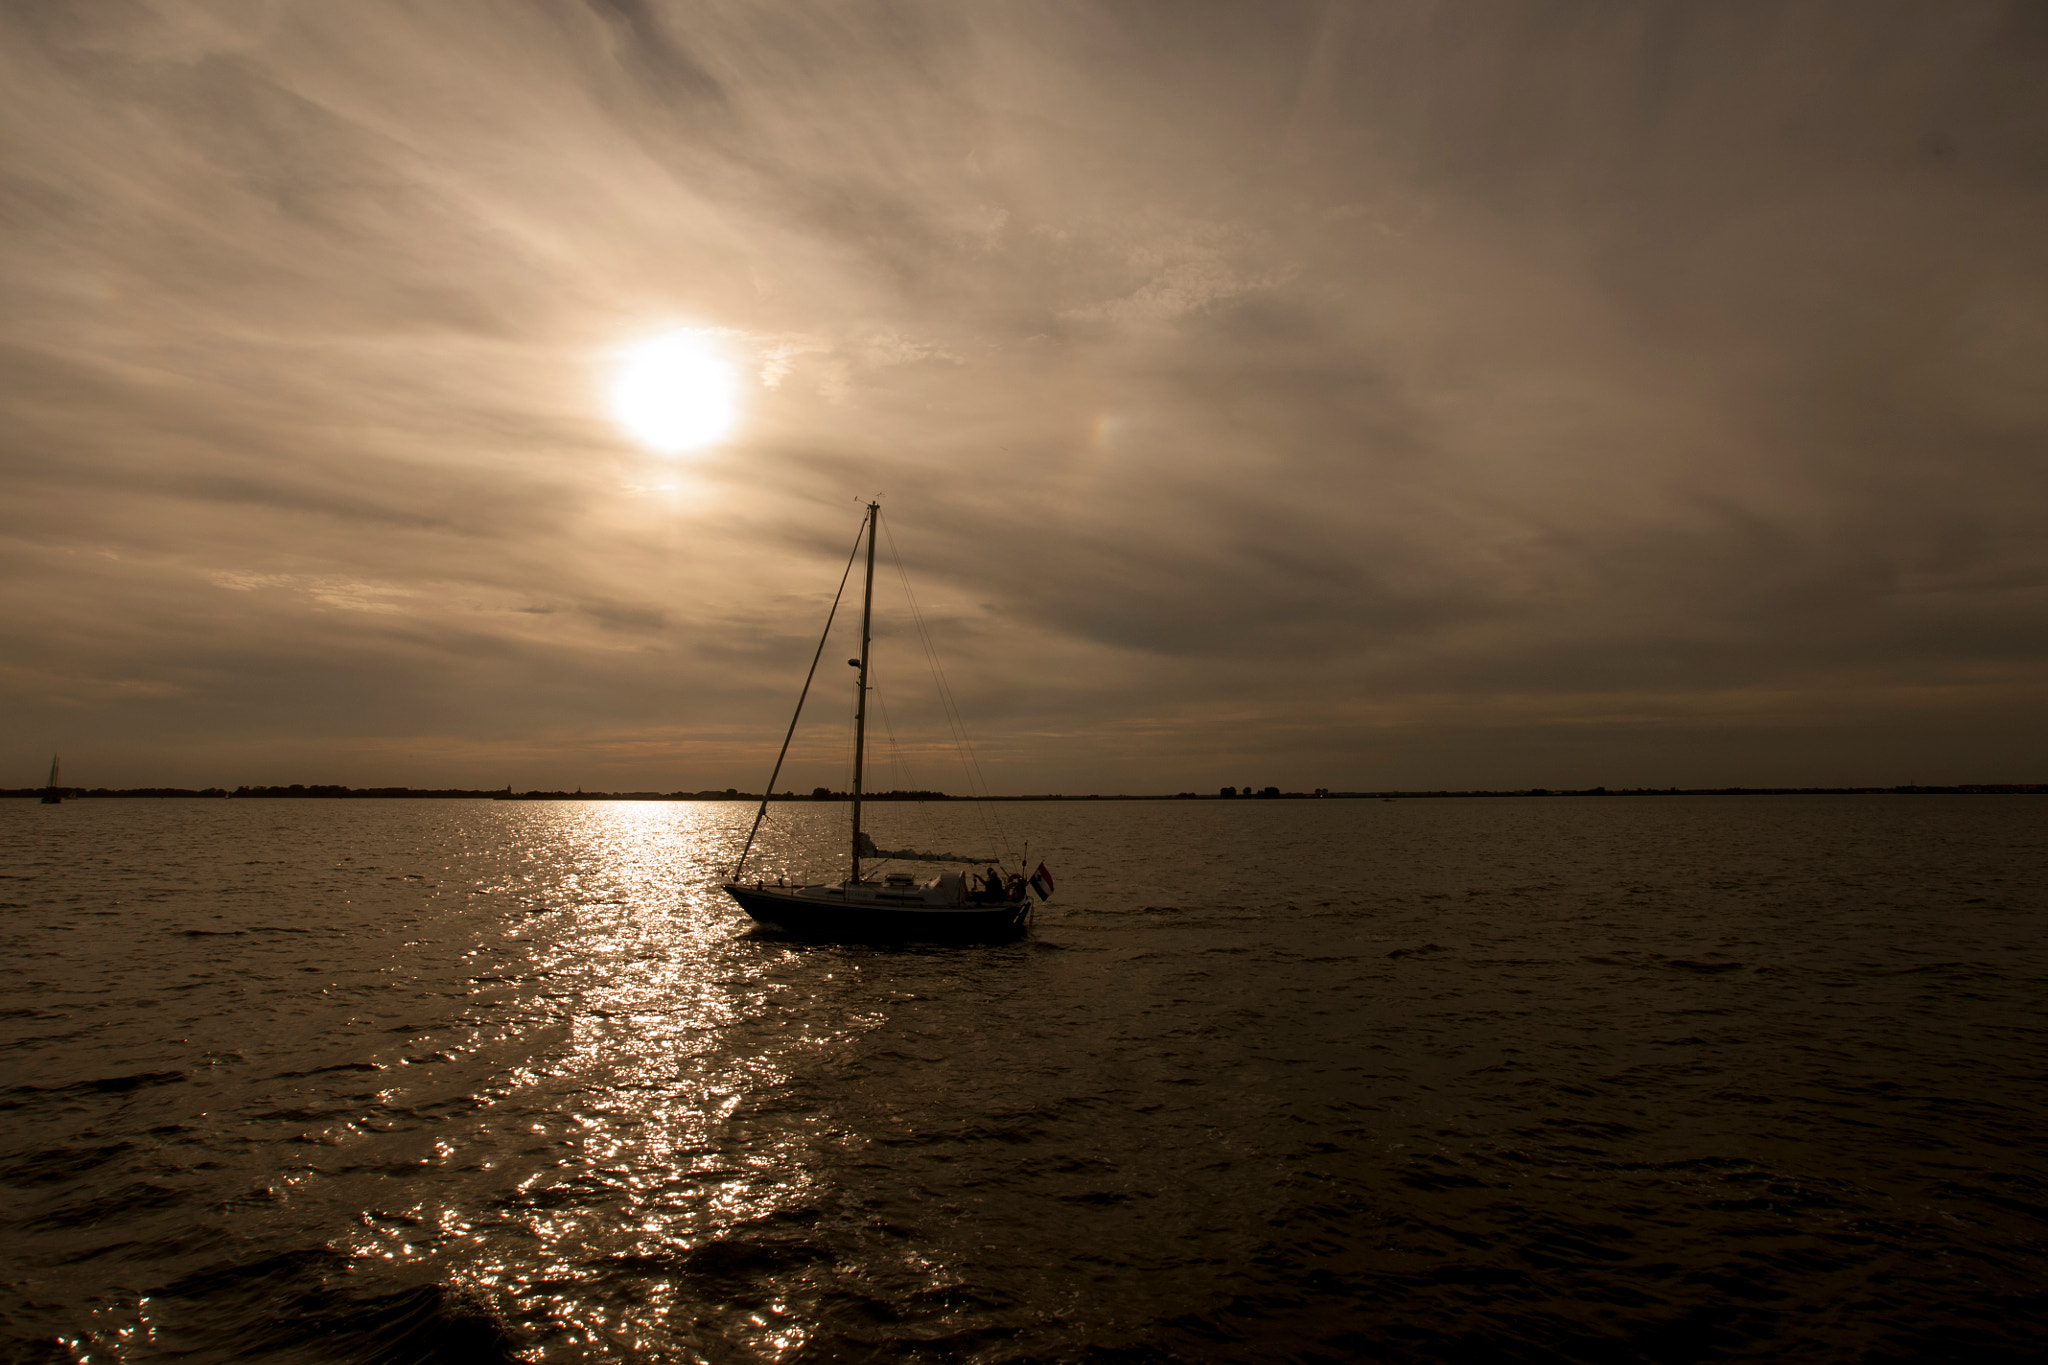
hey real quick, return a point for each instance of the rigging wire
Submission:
(895, 759)
(892, 759)
(769, 790)
(852, 741)
(977, 780)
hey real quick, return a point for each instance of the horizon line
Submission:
(335, 791)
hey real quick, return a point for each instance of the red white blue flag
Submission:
(1041, 882)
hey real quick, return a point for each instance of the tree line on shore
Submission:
(329, 791)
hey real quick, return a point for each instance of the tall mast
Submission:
(860, 714)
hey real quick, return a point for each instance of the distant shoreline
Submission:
(505, 794)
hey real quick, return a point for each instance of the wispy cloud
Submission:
(1357, 389)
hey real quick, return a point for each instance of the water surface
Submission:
(1590, 1079)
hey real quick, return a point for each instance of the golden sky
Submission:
(1351, 395)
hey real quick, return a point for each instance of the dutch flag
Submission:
(1041, 882)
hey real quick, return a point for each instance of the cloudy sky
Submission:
(1332, 394)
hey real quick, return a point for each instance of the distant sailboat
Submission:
(899, 906)
(52, 796)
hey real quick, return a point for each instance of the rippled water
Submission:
(1634, 1078)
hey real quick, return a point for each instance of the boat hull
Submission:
(859, 921)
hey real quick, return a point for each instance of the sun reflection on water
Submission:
(620, 1162)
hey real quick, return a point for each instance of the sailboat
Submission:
(897, 905)
(51, 796)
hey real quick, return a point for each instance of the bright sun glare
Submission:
(675, 392)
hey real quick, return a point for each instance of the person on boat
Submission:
(992, 885)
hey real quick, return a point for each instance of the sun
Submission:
(675, 392)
